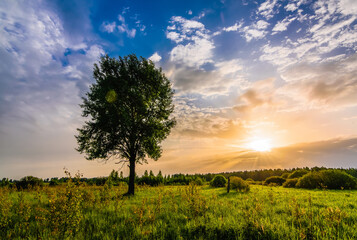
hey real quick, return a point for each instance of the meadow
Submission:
(77, 211)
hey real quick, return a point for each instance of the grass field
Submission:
(177, 212)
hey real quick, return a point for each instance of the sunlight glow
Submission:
(260, 145)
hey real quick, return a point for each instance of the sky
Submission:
(258, 84)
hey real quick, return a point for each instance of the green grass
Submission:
(177, 212)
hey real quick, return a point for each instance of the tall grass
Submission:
(76, 211)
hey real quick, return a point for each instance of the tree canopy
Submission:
(128, 112)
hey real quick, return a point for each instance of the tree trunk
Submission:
(131, 189)
(229, 184)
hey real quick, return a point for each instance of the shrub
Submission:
(218, 181)
(239, 184)
(198, 181)
(274, 180)
(29, 181)
(285, 175)
(330, 179)
(249, 180)
(298, 173)
(336, 179)
(54, 182)
(311, 180)
(290, 183)
(65, 211)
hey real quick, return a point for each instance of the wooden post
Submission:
(228, 185)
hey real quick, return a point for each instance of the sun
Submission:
(260, 145)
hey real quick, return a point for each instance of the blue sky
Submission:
(272, 71)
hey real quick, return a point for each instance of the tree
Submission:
(28, 182)
(128, 112)
(218, 181)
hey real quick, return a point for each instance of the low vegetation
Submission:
(328, 179)
(29, 182)
(290, 183)
(238, 184)
(76, 208)
(218, 181)
(255, 177)
(298, 173)
(78, 211)
(274, 180)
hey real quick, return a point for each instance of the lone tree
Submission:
(128, 112)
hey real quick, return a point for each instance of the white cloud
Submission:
(131, 33)
(234, 28)
(261, 24)
(183, 29)
(283, 25)
(266, 9)
(253, 34)
(291, 7)
(193, 68)
(155, 57)
(198, 50)
(140, 26)
(108, 27)
(174, 36)
(39, 98)
(193, 54)
(201, 122)
(124, 28)
(121, 18)
(219, 81)
(79, 46)
(348, 7)
(233, 66)
(277, 55)
(329, 29)
(187, 25)
(172, 27)
(94, 52)
(255, 31)
(202, 14)
(332, 83)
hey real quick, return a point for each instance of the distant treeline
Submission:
(149, 178)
